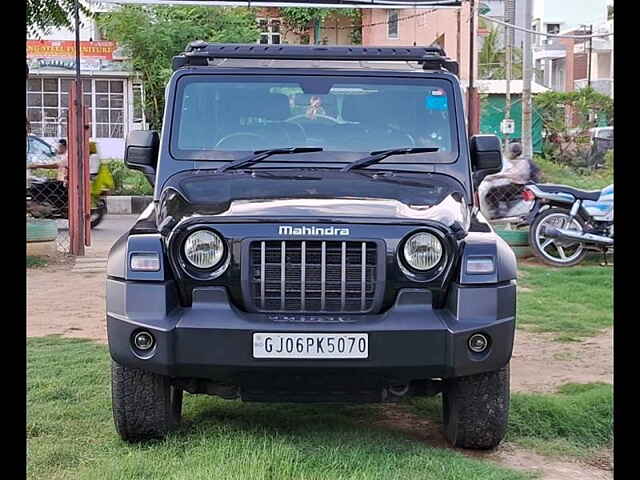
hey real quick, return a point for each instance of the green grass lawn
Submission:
(573, 303)
(564, 175)
(33, 261)
(575, 422)
(70, 434)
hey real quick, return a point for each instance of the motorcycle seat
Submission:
(580, 194)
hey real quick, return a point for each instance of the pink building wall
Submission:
(423, 27)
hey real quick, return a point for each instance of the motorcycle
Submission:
(566, 223)
(47, 198)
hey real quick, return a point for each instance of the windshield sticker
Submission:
(436, 100)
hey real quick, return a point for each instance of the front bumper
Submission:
(213, 340)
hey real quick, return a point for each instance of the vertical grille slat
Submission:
(263, 280)
(319, 276)
(303, 280)
(323, 276)
(283, 274)
(363, 276)
(343, 276)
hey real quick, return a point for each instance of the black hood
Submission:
(320, 195)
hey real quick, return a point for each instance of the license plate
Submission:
(310, 345)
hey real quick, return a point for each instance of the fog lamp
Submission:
(143, 340)
(478, 343)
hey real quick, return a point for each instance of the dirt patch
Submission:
(62, 302)
(540, 364)
(398, 418)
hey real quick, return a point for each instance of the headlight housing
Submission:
(423, 251)
(203, 249)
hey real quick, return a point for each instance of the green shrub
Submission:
(127, 181)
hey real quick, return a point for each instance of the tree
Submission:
(45, 14)
(492, 58)
(299, 20)
(566, 119)
(154, 34)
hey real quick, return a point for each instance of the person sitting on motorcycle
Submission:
(508, 184)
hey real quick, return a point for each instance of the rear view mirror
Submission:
(141, 152)
(486, 156)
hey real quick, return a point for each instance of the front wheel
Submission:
(98, 213)
(145, 405)
(475, 409)
(554, 251)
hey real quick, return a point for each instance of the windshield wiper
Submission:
(375, 157)
(262, 154)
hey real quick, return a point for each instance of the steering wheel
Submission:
(303, 115)
(238, 134)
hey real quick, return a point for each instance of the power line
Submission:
(554, 35)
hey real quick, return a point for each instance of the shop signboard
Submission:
(60, 55)
(66, 49)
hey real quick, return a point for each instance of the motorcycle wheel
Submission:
(555, 252)
(98, 213)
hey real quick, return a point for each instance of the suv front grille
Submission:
(313, 276)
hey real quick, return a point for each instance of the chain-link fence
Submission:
(501, 199)
(47, 197)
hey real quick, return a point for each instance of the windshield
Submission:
(225, 117)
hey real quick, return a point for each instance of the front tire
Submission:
(145, 405)
(475, 409)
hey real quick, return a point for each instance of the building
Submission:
(565, 64)
(448, 27)
(497, 9)
(335, 30)
(112, 90)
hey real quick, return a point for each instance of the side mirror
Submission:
(141, 152)
(486, 157)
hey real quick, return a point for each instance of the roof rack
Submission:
(198, 53)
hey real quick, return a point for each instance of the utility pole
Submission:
(590, 55)
(509, 17)
(527, 71)
(79, 243)
(472, 96)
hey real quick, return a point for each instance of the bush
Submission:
(127, 181)
(553, 172)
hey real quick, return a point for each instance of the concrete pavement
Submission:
(102, 238)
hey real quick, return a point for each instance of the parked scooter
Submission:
(566, 223)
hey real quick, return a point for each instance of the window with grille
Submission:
(392, 23)
(269, 31)
(48, 104)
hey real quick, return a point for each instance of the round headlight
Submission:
(203, 249)
(423, 251)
